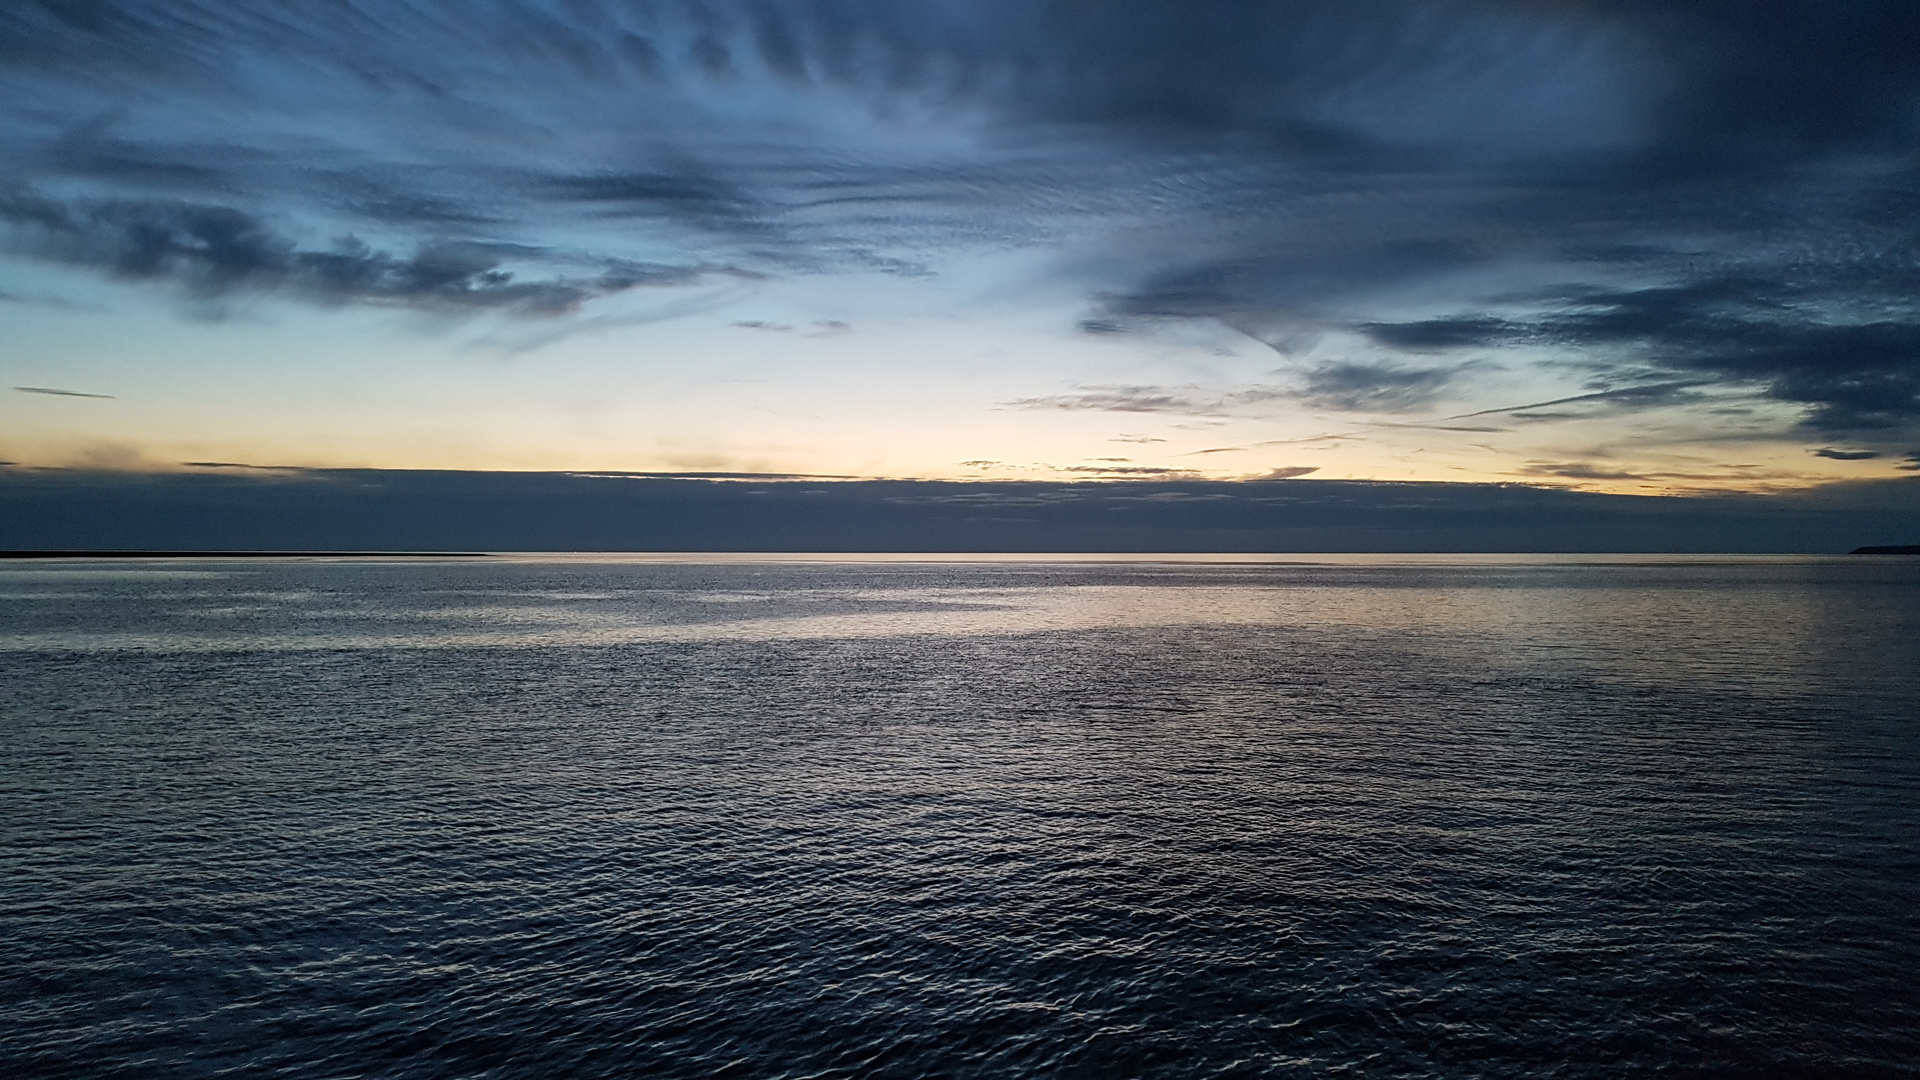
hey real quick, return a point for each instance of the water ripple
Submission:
(1175, 821)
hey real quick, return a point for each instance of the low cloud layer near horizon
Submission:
(240, 508)
(1681, 225)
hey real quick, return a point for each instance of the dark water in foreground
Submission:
(552, 818)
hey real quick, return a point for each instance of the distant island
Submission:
(1889, 549)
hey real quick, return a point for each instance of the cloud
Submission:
(1190, 401)
(58, 392)
(1287, 472)
(1796, 339)
(1132, 399)
(524, 338)
(1317, 76)
(1024, 495)
(759, 324)
(1434, 335)
(1646, 396)
(45, 300)
(276, 469)
(702, 199)
(1695, 191)
(399, 510)
(1344, 386)
(1585, 470)
(214, 251)
(1352, 387)
(1580, 471)
(1846, 455)
(1803, 341)
(1176, 496)
(1127, 470)
(110, 455)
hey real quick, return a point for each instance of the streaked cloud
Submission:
(57, 392)
(1368, 224)
(1127, 399)
(211, 252)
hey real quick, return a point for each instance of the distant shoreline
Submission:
(1887, 549)
(60, 554)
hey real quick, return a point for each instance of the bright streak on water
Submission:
(584, 816)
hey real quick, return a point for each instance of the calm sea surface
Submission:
(579, 817)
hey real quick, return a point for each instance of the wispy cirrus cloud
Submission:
(1376, 388)
(1716, 200)
(57, 392)
(1123, 399)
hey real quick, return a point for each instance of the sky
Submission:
(1623, 246)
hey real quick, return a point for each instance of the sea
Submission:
(960, 816)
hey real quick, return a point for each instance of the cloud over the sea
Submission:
(1410, 205)
(223, 506)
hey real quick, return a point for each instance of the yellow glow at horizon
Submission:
(919, 392)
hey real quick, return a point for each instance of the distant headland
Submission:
(1888, 549)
